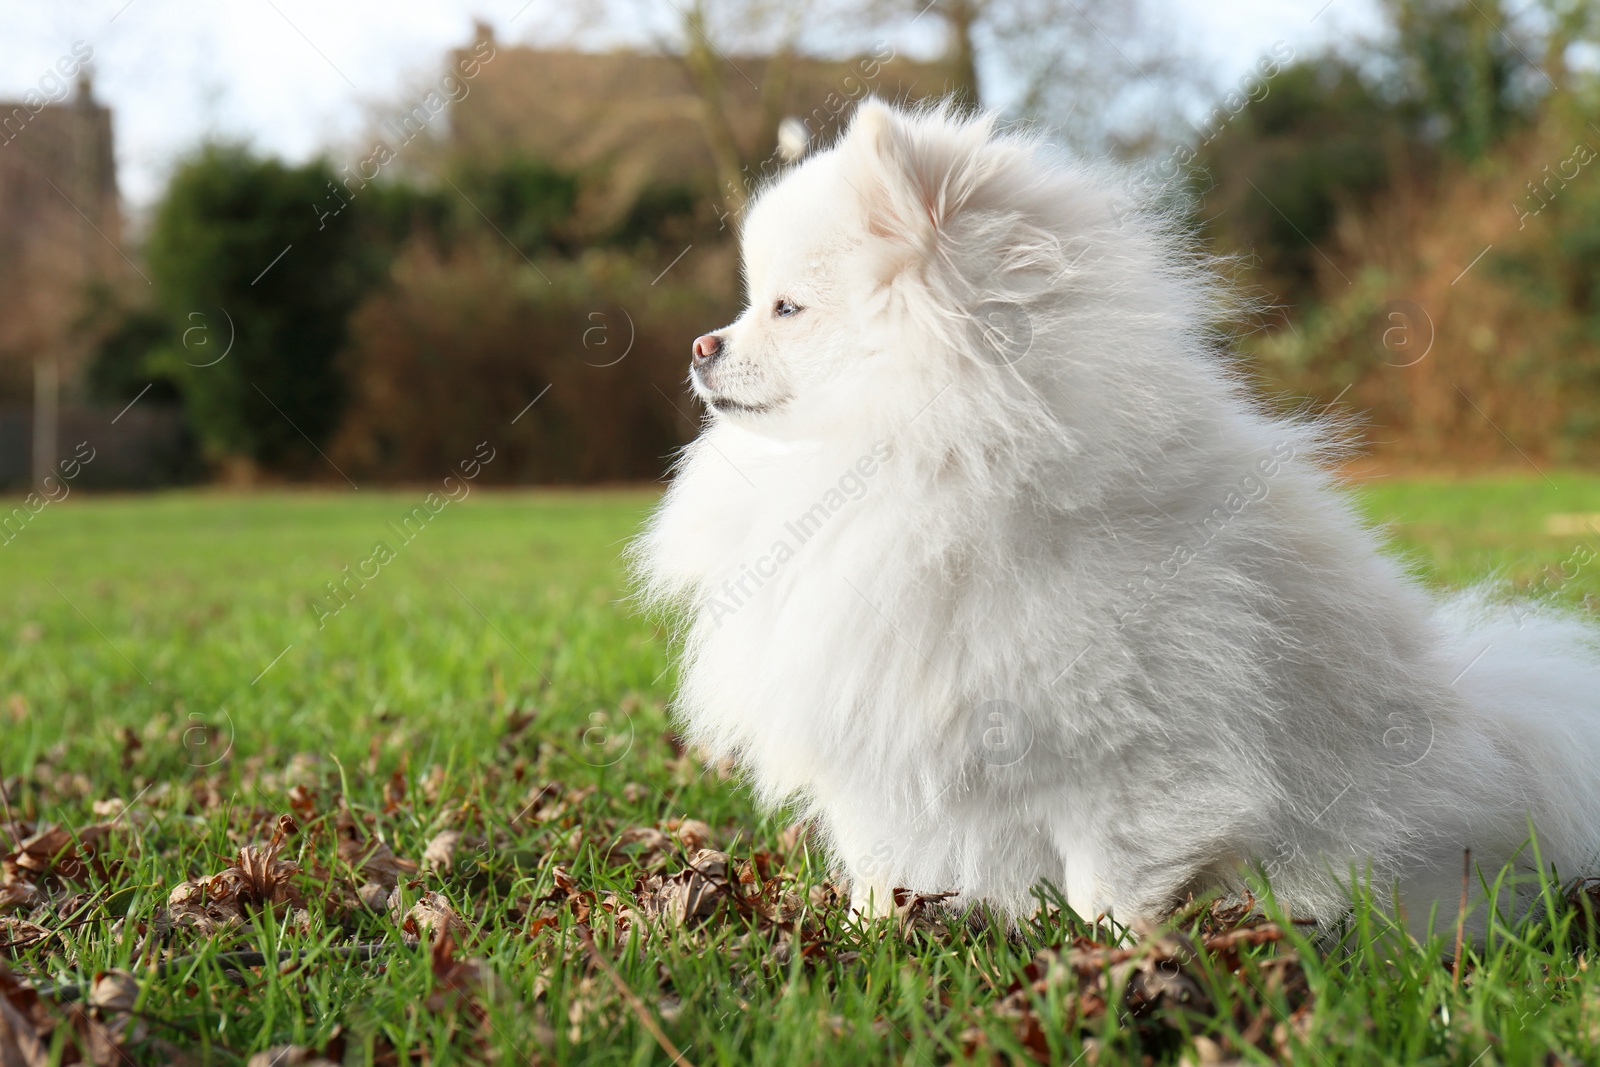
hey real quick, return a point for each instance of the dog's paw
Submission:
(870, 902)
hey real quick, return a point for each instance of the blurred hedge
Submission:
(1420, 220)
(459, 343)
(407, 322)
(1418, 215)
(254, 292)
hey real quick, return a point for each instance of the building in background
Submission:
(60, 230)
(652, 122)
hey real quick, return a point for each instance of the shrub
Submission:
(238, 251)
(459, 343)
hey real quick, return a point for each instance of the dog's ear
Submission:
(913, 172)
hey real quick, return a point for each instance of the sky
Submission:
(296, 77)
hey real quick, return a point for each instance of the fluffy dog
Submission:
(987, 559)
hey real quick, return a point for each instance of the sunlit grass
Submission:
(171, 649)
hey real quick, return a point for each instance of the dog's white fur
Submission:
(1073, 609)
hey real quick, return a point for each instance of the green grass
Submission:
(169, 649)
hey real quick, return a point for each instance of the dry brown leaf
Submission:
(1208, 1053)
(918, 909)
(537, 802)
(19, 933)
(694, 834)
(303, 802)
(373, 896)
(19, 1040)
(256, 879)
(379, 863)
(1158, 985)
(826, 896)
(193, 908)
(644, 844)
(581, 901)
(370, 858)
(433, 784)
(548, 803)
(431, 916)
(131, 745)
(50, 851)
(114, 991)
(263, 877)
(394, 791)
(330, 1055)
(110, 808)
(690, 895)
(28, 1026)
(440, 854)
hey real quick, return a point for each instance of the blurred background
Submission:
(275, 241)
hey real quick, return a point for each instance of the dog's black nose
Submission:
(706, 349)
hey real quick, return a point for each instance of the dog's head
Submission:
(881, 248)
(1041, 312)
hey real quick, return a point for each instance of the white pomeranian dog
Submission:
(988, 559)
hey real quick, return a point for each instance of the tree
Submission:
(256, 270)
(1274, 181)
(1465, 63)
(1571, 23)
(1099, 73)
(705, 36)
(1341, 129)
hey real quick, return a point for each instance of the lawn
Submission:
(468, 832)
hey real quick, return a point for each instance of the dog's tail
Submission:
(1533, 671)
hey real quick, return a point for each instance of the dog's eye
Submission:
(784, 308)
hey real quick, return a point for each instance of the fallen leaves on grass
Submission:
(394, 791)
(256, 879)
(18, 933)
(645, 845)
(691, 894)
(51, 855)
(463, 987)
(1159, 988)
(694, 834)
(919, 911)
(31, 1027)
(687, 897)
(17, 891)
(440, 855)
(45, 871)
(637, 1005)
(776, 917)
(430, 916)
(370, 858)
